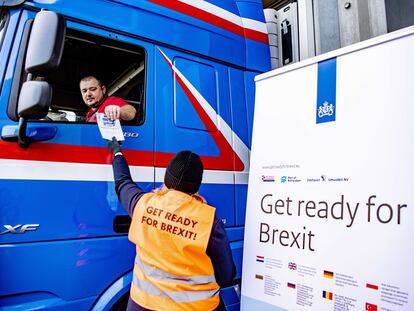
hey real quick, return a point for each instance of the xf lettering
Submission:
(23, 229)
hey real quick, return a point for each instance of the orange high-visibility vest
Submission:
(172, 270)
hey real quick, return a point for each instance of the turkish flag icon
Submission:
(370, 307)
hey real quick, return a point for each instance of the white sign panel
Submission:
(330, 215)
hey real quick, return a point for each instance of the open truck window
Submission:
(120, 67)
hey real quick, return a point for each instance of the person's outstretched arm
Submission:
(218, 249)
(127, 190)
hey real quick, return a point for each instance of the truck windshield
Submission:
(3, 19)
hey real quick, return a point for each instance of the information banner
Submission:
(330, 213)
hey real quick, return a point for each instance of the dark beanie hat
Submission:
(184, 172)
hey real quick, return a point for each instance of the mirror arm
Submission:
(22, 139)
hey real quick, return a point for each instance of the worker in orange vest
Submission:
(183, 254)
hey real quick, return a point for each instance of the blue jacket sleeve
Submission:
(127, 190)
(218, 249)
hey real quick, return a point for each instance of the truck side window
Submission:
(3, 21)
(120, 66)
(204, 78)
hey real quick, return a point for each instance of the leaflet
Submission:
(109, 128)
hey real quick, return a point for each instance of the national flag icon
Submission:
(328, 274)
(259, 276)
(372, 286)
(291, 285)
(370, 307)
(260, 258)
(327, 295)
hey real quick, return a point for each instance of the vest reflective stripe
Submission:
(181, 296)
(165, 276)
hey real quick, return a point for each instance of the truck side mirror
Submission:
(34, 103)
(34, 100)
(46, 42)
(43, 56)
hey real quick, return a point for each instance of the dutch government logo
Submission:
(326, 109)
(325, 112)
(326, 91)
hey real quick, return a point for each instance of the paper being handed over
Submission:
(109, 128)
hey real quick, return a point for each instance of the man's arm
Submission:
(126, 112)
(127, 190)
(218, 249)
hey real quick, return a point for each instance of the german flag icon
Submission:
(328, 274)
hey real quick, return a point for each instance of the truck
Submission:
(187, 67)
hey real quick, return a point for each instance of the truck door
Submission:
(193, 111)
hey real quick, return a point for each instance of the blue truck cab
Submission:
(188, 68)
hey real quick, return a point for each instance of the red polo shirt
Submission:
(111, 100)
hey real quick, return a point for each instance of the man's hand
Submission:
(113, 112)
(114, 146)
